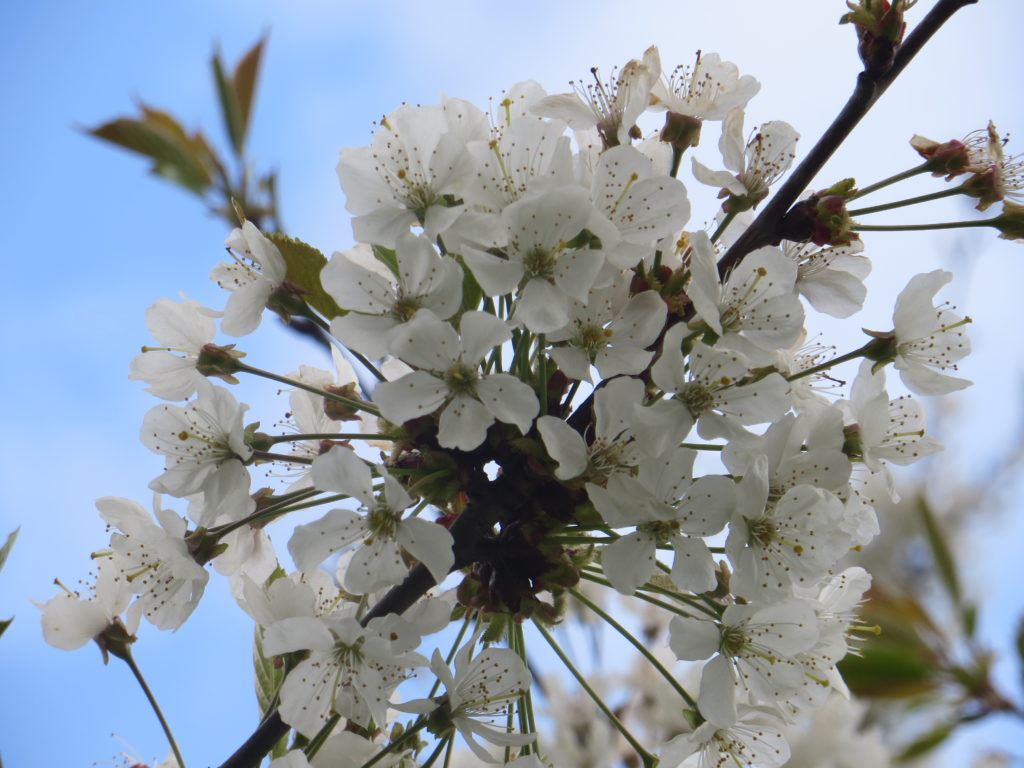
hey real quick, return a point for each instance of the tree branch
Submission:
(867, 91)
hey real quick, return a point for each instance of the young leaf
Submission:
(944, 562)
(176, 156)
(304, 265)
(5, 550)
(269, 677)
(230, 109)
(244, 82)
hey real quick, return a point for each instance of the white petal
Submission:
(311, 544)
(463, 424)
(415, 394)
(430, 543)
(565, 445)
(509, 399)
(629, 561)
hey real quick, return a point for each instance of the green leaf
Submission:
(244, 83)
(269, 675)
(268, 678)
(235, 93)
(928, 742)
(177, 157)
(969, 616)
(944, 562)
(387, 257)
(472, 293)
(5, 550)
(887, 670)
(304, 265)
(4, 625)
(1019, 644)
(230, 109)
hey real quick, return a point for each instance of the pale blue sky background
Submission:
(90, 243)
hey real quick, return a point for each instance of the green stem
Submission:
(367, 364)
(130, 661)
(567, 400)
(391, 746)
(321, 736)
(446, 742)
(692, 602)
(909, 201)
(923, 227)
(325, 436)
(259, 515)
(451, 655)
(701, 446)
(283, 457)
(527, 721)
(891, 180)
(677, 158)
(520, 355)
(638, 645)
(723, 226)
(649, 760)
(542, 370)
(829, 363)
(356, 404)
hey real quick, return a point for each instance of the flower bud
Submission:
(949, 159)
(880, 27)
(681, 131)
(1010, 222)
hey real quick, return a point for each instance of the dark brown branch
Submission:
(763, 230)
(467, 530)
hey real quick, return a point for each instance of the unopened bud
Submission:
(880, 27)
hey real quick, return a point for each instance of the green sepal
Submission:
(304, 264)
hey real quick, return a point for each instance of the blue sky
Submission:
(91, 242)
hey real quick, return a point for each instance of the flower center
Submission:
(539, 263)
(348, 655)
(660, 530)
(697, 398)
(461, 379)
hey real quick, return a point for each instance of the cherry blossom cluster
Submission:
(545, 394)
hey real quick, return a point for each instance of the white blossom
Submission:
(258, 270)
(929, 340)
(449, 379)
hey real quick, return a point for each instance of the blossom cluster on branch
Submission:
(544, 394)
